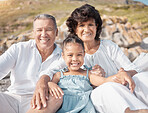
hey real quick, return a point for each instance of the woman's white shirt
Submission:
(110, 57)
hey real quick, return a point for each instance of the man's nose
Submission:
(43, 34)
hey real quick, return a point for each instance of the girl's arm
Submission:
(54, 89)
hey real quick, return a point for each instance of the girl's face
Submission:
(73, 55)
(86, 31)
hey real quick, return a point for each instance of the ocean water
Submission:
(142, 1)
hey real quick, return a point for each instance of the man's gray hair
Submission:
(46, 16)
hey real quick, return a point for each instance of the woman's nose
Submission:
(86, 28)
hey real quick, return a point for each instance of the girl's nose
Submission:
(74, 58)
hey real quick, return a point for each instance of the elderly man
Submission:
(26, 61)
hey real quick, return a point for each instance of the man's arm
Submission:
(41, 93)
(7, 61)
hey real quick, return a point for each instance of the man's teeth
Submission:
(44, 40)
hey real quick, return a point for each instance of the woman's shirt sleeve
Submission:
(120, 59)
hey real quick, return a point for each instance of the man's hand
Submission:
(41, 93)
(98, 70)
(55, 90)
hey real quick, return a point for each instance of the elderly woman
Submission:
(112, 96)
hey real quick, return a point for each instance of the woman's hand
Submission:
(123, 77)
(40, 95)
(98, 70)
(55, 90)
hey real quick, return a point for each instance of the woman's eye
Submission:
(81, 25)
(91, 24)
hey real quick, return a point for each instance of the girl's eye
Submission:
(69, 55)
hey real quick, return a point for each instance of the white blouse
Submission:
(110, 57)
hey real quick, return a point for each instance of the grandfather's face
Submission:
(44, 32)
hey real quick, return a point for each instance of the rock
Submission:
(4, 84)
(12, 37)
(128, 37)
(120, 40)
(144, 43)
(63, 31)
(134, 52)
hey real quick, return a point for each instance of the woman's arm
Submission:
(121, 77)
(97, 80)
(132, 72)
(125, 77)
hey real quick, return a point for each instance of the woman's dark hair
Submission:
(71, 38)
(83, 14)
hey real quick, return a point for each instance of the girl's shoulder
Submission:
(58, 74)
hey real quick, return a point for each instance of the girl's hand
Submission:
(55, 90)
(98, 70)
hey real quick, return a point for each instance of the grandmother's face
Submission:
(86, 31)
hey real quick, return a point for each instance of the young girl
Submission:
(73, 82)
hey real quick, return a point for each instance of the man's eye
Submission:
(39, 30)
(49, 29)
